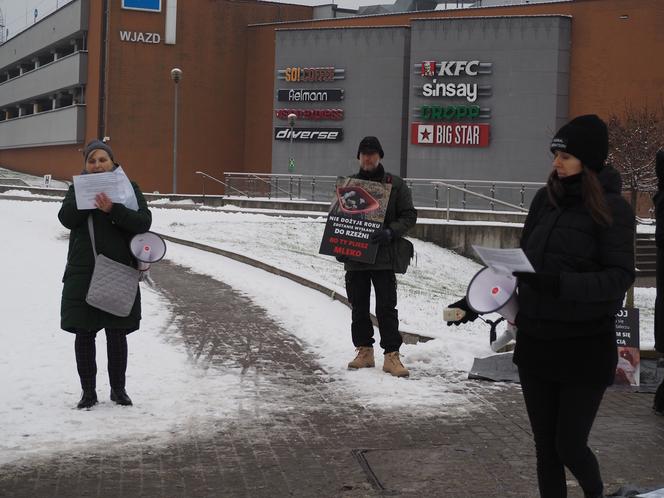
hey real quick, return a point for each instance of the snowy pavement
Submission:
(240, 387)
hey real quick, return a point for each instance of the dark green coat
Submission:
(113, 231)
(400, 217)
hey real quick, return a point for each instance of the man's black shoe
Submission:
(121, 397)
(88, 400)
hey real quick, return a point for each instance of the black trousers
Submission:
(86, 363)
(561, 416)
(358, 290)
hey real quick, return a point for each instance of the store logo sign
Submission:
(322, 95)
(311, 114)
(309, 134)
(311, 74)
(146, 5)
(450, 134)
(449, 112)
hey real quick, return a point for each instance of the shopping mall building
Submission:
(471, 93)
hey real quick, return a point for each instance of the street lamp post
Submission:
(176, 76)
(291, 161)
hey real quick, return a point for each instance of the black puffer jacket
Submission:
(595, 263)
(596, 267)
(400, 217)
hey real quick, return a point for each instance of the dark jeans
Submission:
(86, 364)
(561, 416)
(358, 290)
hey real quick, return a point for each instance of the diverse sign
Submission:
(322, 95)
(309, 134)
(450, 134)
(310, 74)
(311, 114)
(146, 5)
(628, 369)
(358, 210)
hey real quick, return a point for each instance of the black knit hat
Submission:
(369, 145)
(94, 145)
(586, 138)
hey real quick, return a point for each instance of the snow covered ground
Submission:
(38, 373)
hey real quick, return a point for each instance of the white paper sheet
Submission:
(504, 261)
(114, 184)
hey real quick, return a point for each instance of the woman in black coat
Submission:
(579, 237)
(114, 226)
(658, 200)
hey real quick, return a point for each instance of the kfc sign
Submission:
(450, 134)
(431, 69)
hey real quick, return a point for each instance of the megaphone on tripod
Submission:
(491, 292)
(147, 248)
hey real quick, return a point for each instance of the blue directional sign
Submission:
(148, 5)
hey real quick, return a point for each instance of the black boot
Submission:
(658, 404)
(121, 397)
(88, 399)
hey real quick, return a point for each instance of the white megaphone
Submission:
(491, 292)
(147, 248)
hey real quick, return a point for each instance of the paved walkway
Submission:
(321, 442)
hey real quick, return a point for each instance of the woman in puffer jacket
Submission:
(579, 237)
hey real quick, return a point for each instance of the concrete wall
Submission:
(461, 238)
(61, 126)
(62, 24)
(67, 72)
(374, 95)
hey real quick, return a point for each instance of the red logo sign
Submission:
(450, 134)
(428, 69)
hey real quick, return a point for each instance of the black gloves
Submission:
(382, 236)
(470, 315)
(341, 259)
(548, 283)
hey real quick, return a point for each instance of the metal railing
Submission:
(427, 192)
(462, 194)
(205, 175)
(493, 201)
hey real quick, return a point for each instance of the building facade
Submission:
(470, 93)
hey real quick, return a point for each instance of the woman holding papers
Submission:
(114, 224)
(579, 237)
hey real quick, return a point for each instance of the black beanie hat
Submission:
(369, 145)
(586, 138)
(94, 145)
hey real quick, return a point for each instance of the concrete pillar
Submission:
(20, 70)
(21, 112)
(35, 107)
(54, 101)
(55, 55)
(36, 62)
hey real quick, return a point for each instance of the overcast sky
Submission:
(20, 13)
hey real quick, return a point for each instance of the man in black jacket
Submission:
(399, 217)
(658, 200)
